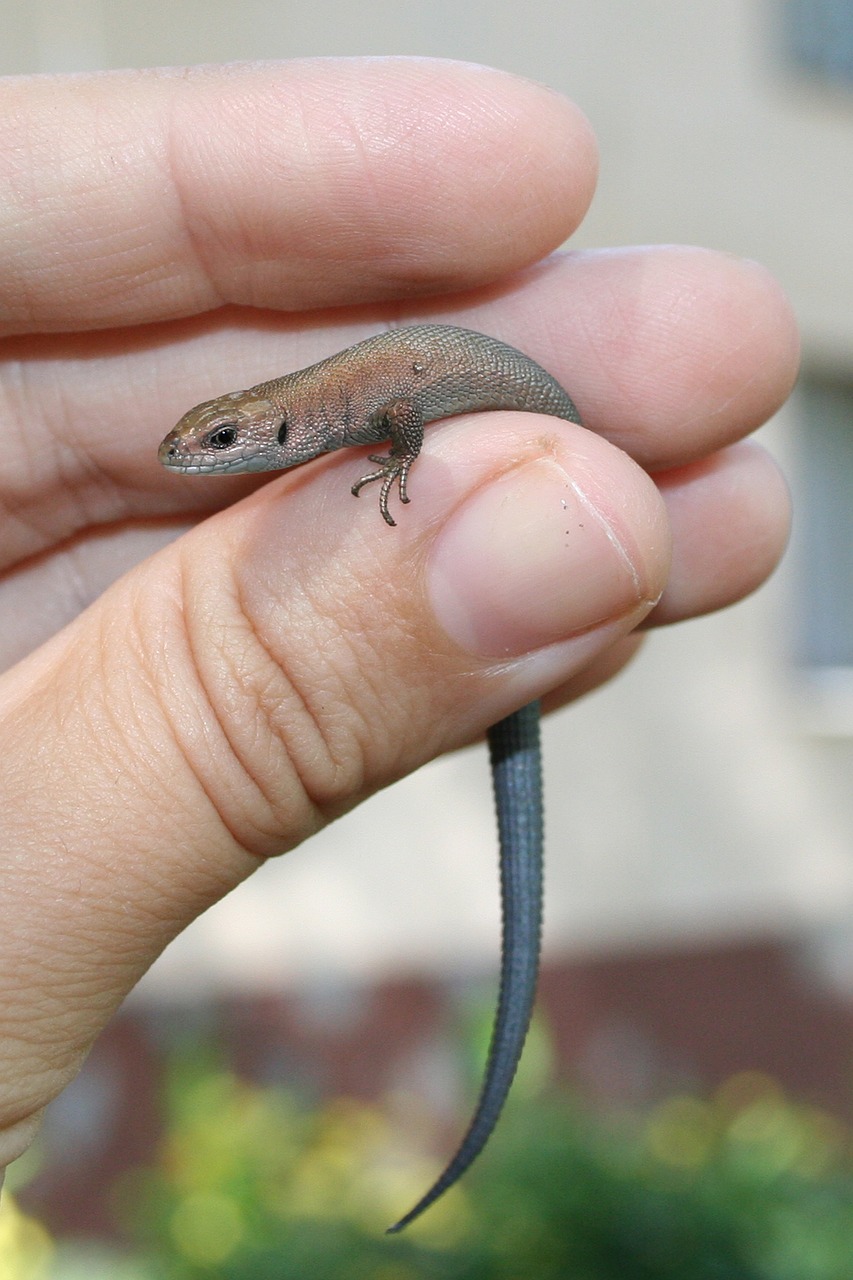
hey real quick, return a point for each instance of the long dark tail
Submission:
(517, 775)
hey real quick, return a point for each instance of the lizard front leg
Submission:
(400, 422)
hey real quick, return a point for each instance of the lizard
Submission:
(388, 388)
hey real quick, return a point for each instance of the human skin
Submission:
(198, 673)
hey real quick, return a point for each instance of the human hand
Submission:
(169, 236)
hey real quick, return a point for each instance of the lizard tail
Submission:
(517, 774)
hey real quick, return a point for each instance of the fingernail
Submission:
(531, 559)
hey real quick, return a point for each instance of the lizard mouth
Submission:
(175, 455)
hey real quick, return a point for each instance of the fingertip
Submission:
(686, 349)
(731, 519)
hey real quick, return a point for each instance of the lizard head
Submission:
(238, 432)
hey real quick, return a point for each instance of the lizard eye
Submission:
(282, 431)
(221, 437)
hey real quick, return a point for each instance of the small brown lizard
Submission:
(388, 388)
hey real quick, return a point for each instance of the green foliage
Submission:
(253, 1186)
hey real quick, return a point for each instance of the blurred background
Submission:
(697, 994)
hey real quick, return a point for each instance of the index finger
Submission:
(141, 196)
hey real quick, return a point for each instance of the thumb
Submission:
(262, 674)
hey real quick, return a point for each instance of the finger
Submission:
(730, 517)
(255, 679)
(87, 413)
(685, 351)
(284, 185)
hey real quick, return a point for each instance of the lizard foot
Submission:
(390, 468)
